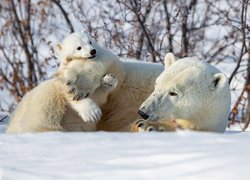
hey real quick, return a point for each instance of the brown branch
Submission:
(24, 45)
(168, 25)
(247, 84)
(184, 28)
(65, 14)
(10, 83)
(33, 47)
(141, 23)
(243, 46)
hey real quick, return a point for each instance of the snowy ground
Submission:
(102, 155)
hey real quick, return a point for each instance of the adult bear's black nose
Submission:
(93, 52)
(143, 114)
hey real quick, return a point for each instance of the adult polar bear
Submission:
(136, 80)
(190, 89)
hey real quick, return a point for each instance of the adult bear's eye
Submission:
(90, 42)
(173, 93)
(79, 48)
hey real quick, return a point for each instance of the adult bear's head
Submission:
(189, 89)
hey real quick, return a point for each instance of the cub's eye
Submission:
(171, 93)
(79, 48)
(90, 42)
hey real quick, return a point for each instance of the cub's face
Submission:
(77, 45)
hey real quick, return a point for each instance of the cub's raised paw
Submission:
(146, 126)
(109, 81)
(87, 110)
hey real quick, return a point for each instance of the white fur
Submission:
(193, 90)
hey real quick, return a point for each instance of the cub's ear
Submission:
(58, 48)
(219, 80)
(169, 59)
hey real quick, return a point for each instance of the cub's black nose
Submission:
(143, 115)
(93, 52)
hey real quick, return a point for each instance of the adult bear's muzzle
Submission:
(143, 115)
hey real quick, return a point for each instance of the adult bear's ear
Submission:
(58, 48)
(219, 80)
(169, 59)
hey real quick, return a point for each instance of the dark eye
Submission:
(90, 42)
(79, 48)
(173, 93)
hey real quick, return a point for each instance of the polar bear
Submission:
(49, 107)
(189, 94)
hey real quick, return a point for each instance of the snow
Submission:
(104, 155)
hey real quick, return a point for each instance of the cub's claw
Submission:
(78, 96)
(72, 90)
(69, 83)
(86, 95)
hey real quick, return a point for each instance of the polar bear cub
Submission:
(53, 104)
(191, 92)
(80, 65)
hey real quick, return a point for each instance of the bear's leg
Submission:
(108, 84)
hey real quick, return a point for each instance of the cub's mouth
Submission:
(91, 57)
(70, 58)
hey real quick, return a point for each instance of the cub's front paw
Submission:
(75, 92)
(87, 110)
(109, 81)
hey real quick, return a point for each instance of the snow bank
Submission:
(103, 155)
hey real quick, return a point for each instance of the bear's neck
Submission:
(209, 120)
